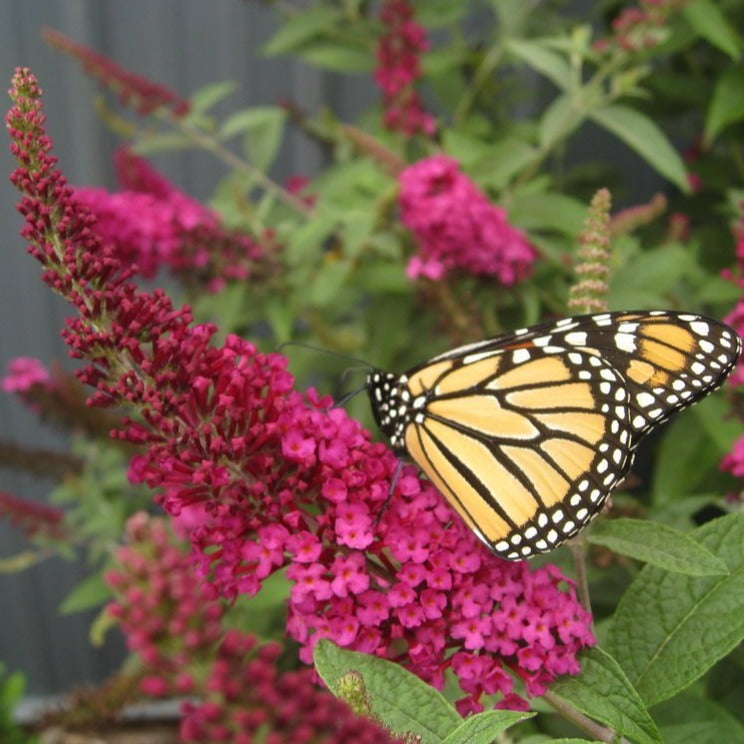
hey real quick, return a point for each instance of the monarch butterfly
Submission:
(527, 433)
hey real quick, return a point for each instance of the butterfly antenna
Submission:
(321, 350)
(346, 398)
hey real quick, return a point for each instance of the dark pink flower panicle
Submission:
(132, 90)
(456, 227)
(638, 28)
(262, 477)
(33, 518)
(173, 622)
(398, 69)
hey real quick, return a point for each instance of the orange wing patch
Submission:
(478, 513)
(545, 479)
(589, 426)
(424, 380)
(469, 375)
(673, 335)
(484, 414)
(569, 395)
(550, 369)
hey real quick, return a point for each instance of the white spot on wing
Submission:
(576, 338)
(625, 342)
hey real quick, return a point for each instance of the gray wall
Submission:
(184, 44)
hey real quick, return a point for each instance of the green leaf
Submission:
(558, 121)
(689, 719)
(384, 277)
(339, 58)
(356, 231)
(102, 623)
(657, 545)
(642, 135)
(401, 700)
(300, 28)
(210, 95)
(683, 456)
(439, 13)
(90, 592)
(669, 628)
(548, 211)
(726, 104)
(280, 315)
(645, 278)
(709, 21)
(328, 281)
(250, 119)
(484, 728)
(439, 61)
(21, 561)
(553, 66)
(263, 127)
(306, 243)
(464, 147)
(713, 416)
(691, 449)
(602, 691)
(502, 162)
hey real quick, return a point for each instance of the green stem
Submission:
(578, 551)
(482, 73)
(594, 729)
(213, 145)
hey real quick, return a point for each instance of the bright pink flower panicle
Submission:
(456, 227)
(736, 320)
(398, 69)
(269, 478)
(23, 373)
(733, 462)
(153, 225)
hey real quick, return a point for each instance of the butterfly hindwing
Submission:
(527, 433)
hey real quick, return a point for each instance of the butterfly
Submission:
(527, 433)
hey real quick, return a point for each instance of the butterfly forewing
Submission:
(527, 433)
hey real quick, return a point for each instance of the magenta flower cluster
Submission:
(175, 626)
(152, 225)
(398, 69)
(23, 373)
(456, 227)
(263, 477)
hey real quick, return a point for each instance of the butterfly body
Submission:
(526, 434)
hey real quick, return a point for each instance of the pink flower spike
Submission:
(456, 227)
(23, 373)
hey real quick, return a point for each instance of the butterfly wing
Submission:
(668, 360)
(524, 442)
(527, 433)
